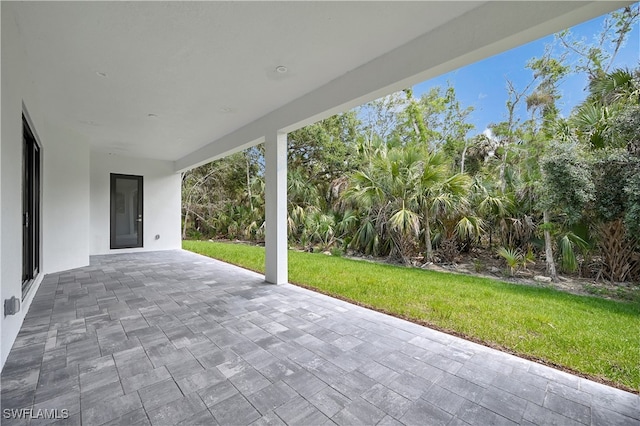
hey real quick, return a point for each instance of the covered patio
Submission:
(172, 337)
(106, 104)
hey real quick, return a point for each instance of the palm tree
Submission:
(489, 204)
(439, 193)
(386, 194)
(609, 96)
(303, 200)
(404, 190)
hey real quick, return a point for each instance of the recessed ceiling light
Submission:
(102, 74)
(281, 69)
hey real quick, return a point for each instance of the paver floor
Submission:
(172, 337)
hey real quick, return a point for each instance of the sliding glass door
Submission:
(30, 207)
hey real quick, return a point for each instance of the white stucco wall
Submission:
(64, 198)
(15, 90)
(74, 189)
(2, 88)
(161, 204)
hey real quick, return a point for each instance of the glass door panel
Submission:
(126, 211)
(30, 207)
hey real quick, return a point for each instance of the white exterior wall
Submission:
(14, 90)
(64, 198)
(161, 203)
(74, 195)
(2, 89)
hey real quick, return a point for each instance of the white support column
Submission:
(275, 155)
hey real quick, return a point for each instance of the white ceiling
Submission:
(187, 81)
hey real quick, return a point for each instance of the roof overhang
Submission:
(193, 81)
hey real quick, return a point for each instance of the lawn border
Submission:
(488, 344)
(464, 336)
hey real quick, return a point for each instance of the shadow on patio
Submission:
(171, 337)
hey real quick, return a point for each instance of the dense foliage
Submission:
(407, 177)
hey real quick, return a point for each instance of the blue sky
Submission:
(483, 84)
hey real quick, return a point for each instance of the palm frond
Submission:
(469, 227)
(569, 262)
(405, 222)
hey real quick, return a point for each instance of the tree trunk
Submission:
(250, 195)
(184, 225)
(548, 249)
(503, 166)
(427, 238)
(464, 153)
(490, 237)
(416, 129)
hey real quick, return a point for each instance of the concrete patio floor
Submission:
(172, 337)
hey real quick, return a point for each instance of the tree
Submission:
(596, 59)
(614, 211)
(404, 190)
(324, 150)
(566, 189)
(436, 120)
(392, 178)
(439, 194)
(386, 194)
(194, 194)
(614, 99)
(380, 117)
(548, 71)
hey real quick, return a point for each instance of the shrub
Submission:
(513, 258)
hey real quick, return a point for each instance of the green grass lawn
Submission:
(593, 336)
